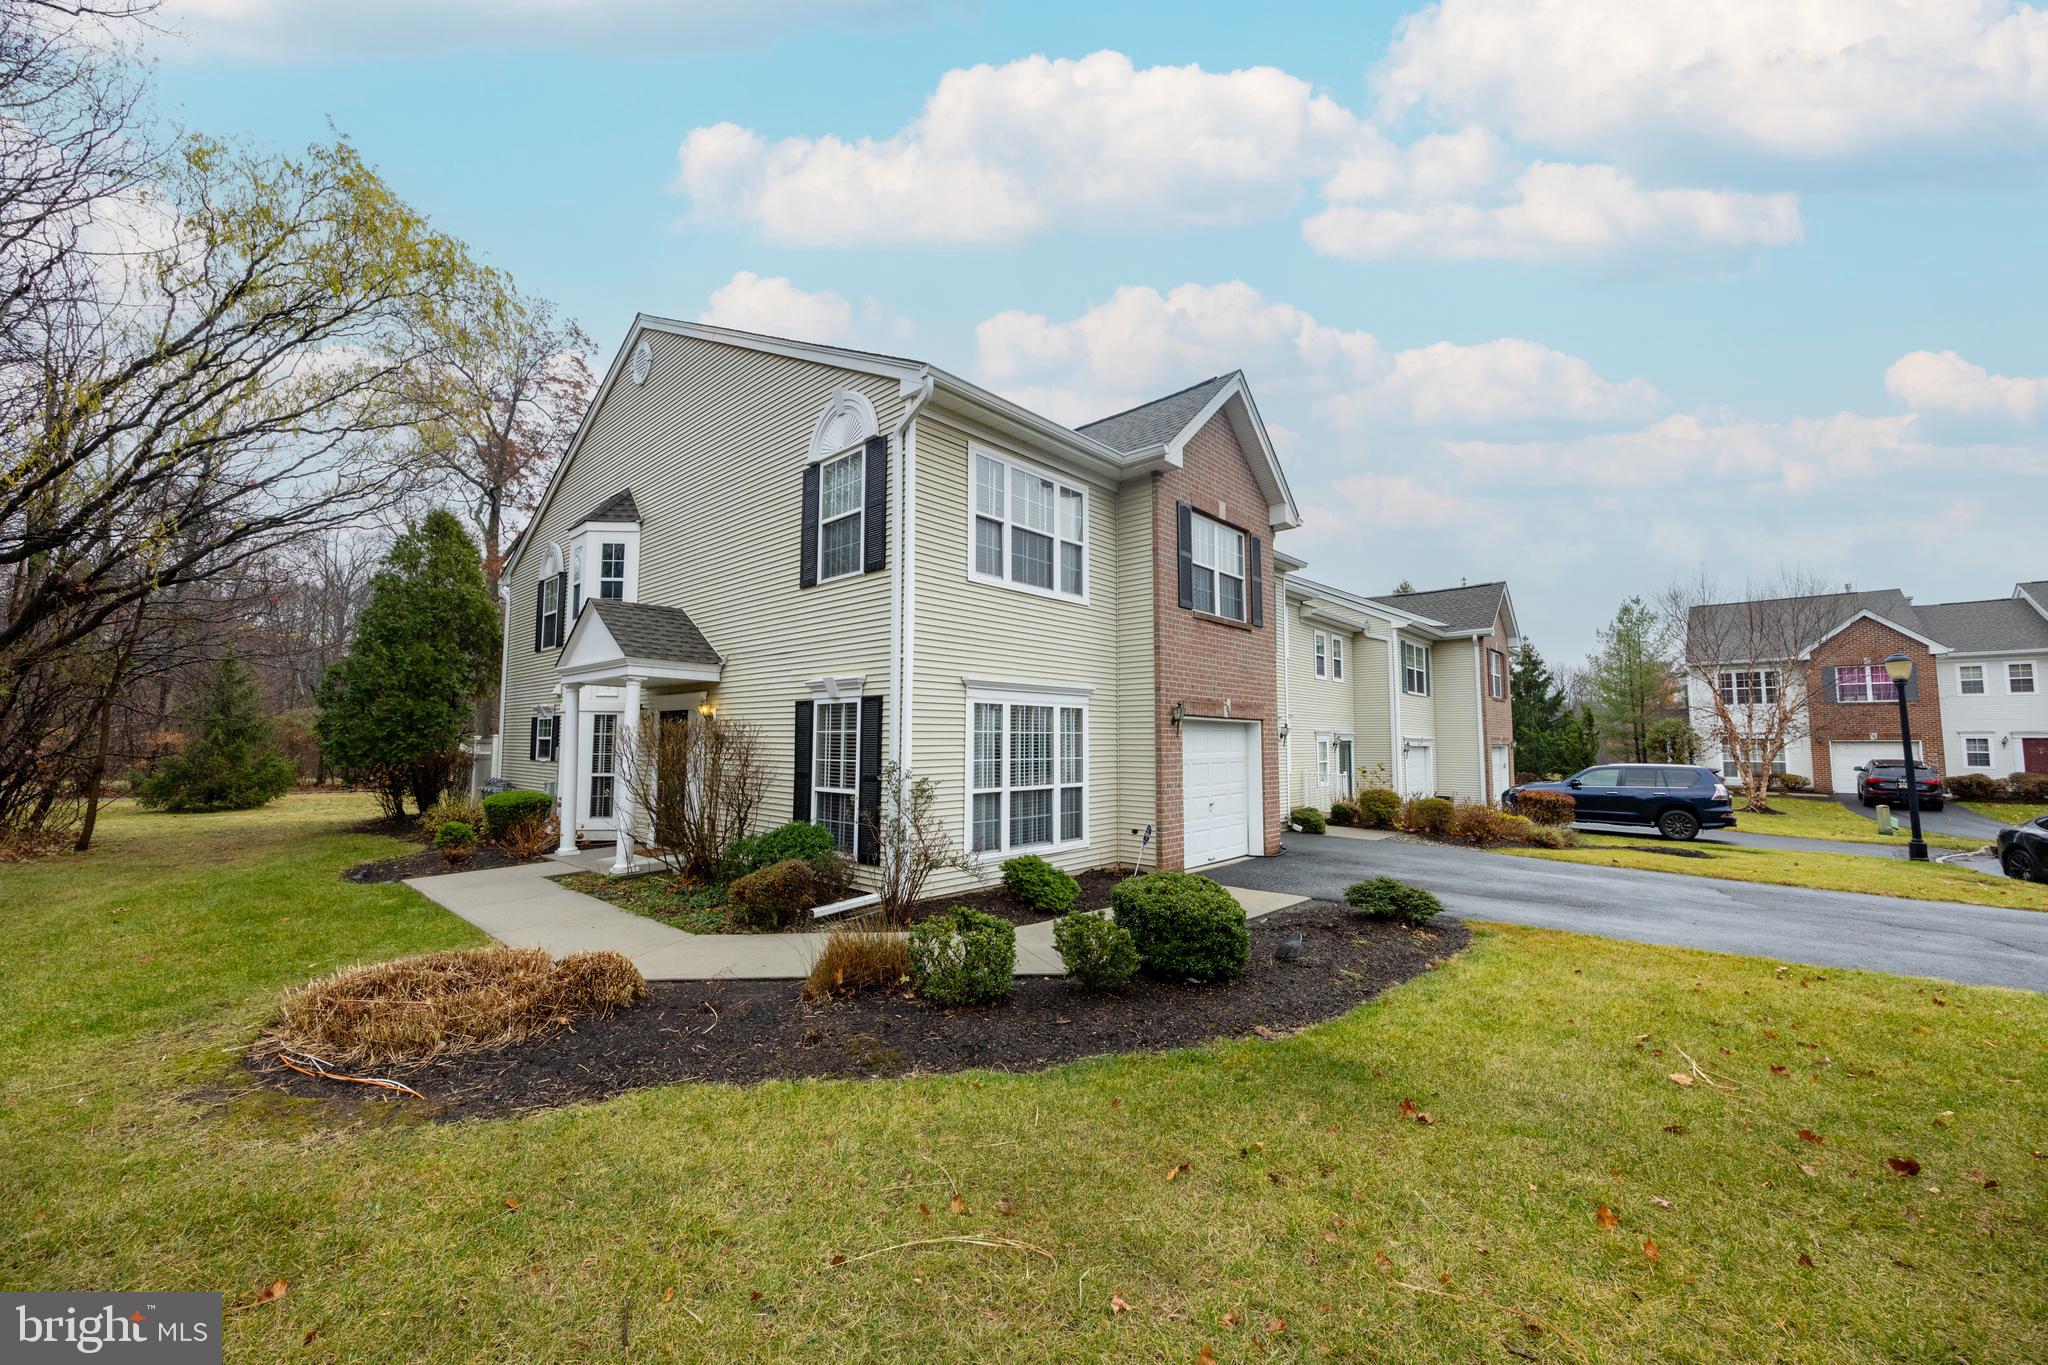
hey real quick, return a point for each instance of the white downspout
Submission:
(1284, 650)
(903, 574)
(504, 668)
(1397, 760)
(1479, 716)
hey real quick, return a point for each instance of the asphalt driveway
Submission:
(1979, 944)
(1952, 818)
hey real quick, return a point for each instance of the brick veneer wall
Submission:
(1207, 664)
(1497, 717)
(1867, 642)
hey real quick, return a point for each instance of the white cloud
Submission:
(1397, 499)
(1141, 343)
(1820, 78)
(1928, 381)
(298, 29)
(1003, 151)
(775, 305)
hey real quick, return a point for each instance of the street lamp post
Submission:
(1901, 670)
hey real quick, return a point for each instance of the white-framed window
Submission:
(842, 500)
(576, 581)
(1496, 674)
(1976, 751)
(611, 570)
(2019, 677)
(1864, 682)
(1322, 761)
(551, 610)
(604, 734)
(1322, 655)
(1030, 530)
(1970, 679)
(1218, 567)
(1731, 768)
(1748, 686)
(1027, 778)
(835, 771)
(1415, 668)
(1337, 658)
(544, 745)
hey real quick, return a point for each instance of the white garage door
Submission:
(1845, 758)
(1216, 781)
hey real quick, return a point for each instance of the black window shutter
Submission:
(1258, 586)
(533, 740)
(869, 792)
(561, 607)
(1184, 515)
(540, 602)
(808, 557)
(875, 524)
(802, 808)
(1827, 683)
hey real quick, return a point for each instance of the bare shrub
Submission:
(697, 781)
(912, 843)
(533, 837)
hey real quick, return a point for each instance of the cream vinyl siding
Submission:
(1456, 695)
(1417, 714)
(1318, 707)
(986, 631)
(713, 446)
(1375, 738)
(1137, 708)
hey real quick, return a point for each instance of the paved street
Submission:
(1979, 944)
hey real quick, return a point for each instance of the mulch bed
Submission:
(746, 1031)
(429, 863)
(1095, 888)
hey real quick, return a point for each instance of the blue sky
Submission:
(1579, 295)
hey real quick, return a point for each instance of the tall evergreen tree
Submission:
(1544, 726)
(395, 711)
(1633, 678)
(228, 761)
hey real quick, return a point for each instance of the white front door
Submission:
(1421, 767)
(1219, 790)
(597, 783)
(1503, 774)
(1344, 760)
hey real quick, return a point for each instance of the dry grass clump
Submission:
(858, 958)
(416, 1007)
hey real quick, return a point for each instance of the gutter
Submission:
(916, 391)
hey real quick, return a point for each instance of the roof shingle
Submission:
(1980, 627)
(645, 631)
(618, 507)
(1475, 606)
(1156, 422)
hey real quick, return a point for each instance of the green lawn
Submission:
(1823, 817)
(2007, 812)
(1305, 1217)
(1786, 867)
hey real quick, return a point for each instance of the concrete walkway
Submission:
(524, 907)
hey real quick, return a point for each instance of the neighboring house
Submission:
(873, 561)
(1978, 700)
(1412, 689)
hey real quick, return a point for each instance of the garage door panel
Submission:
(1845, 757)
(1216, 782)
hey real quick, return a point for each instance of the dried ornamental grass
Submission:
(856, 959)
(417, 1007)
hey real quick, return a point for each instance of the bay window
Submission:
(835, 771)
(1027, 762)
(611, 572)
(1218, 567)
(1030, 530)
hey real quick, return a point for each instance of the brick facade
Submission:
(1213, 668)
(1497, 718)
(1868, 642)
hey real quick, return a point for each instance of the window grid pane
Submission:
(837, 764)
(1977, 753)
(835, 813)
(1030, 557)
(988, 547)
(1031, 818)
(841, 486)
(842, 546)
(603, 730)
(988, 822)
(1070, 568)
(1031, 504)
(1070, 744)
(1030, 746)
(1070, 814)
(1045, 523)
(988, 746)
(988, 486)
(1233, 597)
(1205, 590)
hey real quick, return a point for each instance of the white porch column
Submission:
(626, 759)
(568, 776)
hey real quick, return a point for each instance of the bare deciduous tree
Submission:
(1745, 662)
(912, 843)
(697, 782)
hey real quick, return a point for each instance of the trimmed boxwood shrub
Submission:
(1036, 884)
(773, 898)
(1975, 787)
(1343, 813)
(455, 840)
(1386, 898)
(2027, 786)
(1378, 807)
(506, 809)
(1183, 925)
(1307, 819)
(1098, 952)
(1547, 808)
(799, 840)
(963, 956)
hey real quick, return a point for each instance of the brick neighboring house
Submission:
(1978, 700)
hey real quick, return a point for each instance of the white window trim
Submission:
(1321, 654)
(1007, 695)
(1764, 683)
(547, 738)
(980, 450)
(593, 536)
(1423, 651)
(859, 512)
(1336, 658)
(1989, 750)
(1983, 682)
(852, 792)
(2033, 689)
(1496, 674)
(1874, 674)
(1243, 576)
(1323, 743)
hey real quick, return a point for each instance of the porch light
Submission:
(1176, 714)
(707, 709)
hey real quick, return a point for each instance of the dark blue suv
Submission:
(1678, 802)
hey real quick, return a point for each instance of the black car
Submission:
(1678, 802)
(1884, 779)
(2023, 851)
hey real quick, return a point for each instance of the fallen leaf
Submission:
(1606, 1218)
(270, 1293)
(1808, 1135)
(838, 1260)
(1205, 1356)
(307, 1340)
(1179, 1170)
(1660, 1201)
(1276, 1325)
(753, 1296)
(1380, 1258)
(1407, 1109)
(1650, 1249)
(1808, 1170)
(1117, 1304)
(1674, 1127)
(1781, 1071)
(1228, 1321)
(1329, 1237)
(1904, 1165)
(1005, 1207)
(1422, 1116)
(925, 1209)
(1681, 1077)
(1805, 1260)
(511, 1203)
(959, 1205)
(668, 1295)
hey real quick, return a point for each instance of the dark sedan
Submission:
(1884, 779)
(1677, 802)
(2023, 851)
